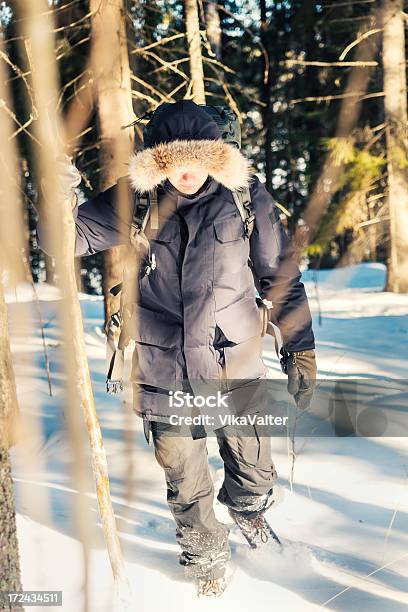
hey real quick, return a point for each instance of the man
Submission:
(198, 321)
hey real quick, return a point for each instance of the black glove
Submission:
(301, 369)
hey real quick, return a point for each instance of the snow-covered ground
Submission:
(344, 524)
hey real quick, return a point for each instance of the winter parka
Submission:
(198, 320)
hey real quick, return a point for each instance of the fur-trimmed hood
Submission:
(185, 134)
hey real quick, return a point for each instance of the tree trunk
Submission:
(58, 213)
(213, 27)
(10, 579)
(266, 96)
(11, 246)
(49, 270)
(8, 405)
(110, 65)
(194, 50)
(395, 88)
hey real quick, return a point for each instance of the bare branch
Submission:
(290, 63)
(162, 95)
(73, 24)
(319, 99)
(209, 60)
(176, 89)
(372, 221)
(72, 82)
(22, 127)
(169, 65)
(162, 41)
(142, 96)
(252, 35)
(230, 99)
(337, 4)
(80, 42)
(357, 41)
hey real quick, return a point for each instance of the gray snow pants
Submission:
(249, 475)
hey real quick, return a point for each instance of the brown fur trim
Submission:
(223, 161)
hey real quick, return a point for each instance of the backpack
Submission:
(145, 206)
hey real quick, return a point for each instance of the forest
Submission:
(319, 90)
(306, 79)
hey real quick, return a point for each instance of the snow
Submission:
(364, 277)
(344, 522)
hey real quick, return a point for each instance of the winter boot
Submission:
(256, 530)
(211, 588)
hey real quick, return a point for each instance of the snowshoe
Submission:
(211, 588)
(256, 530)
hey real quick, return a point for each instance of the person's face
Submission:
(187, 179)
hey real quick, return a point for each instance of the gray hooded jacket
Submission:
(198, 318)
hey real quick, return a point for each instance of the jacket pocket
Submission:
(241, 326)
(229, 229)
(155, 328)
(231, 252)
(164, 250)
(158, 342)
(240, 320)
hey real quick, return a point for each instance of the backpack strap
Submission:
(242, 200)
(117, 328)
(154, 210)
(144, 206)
